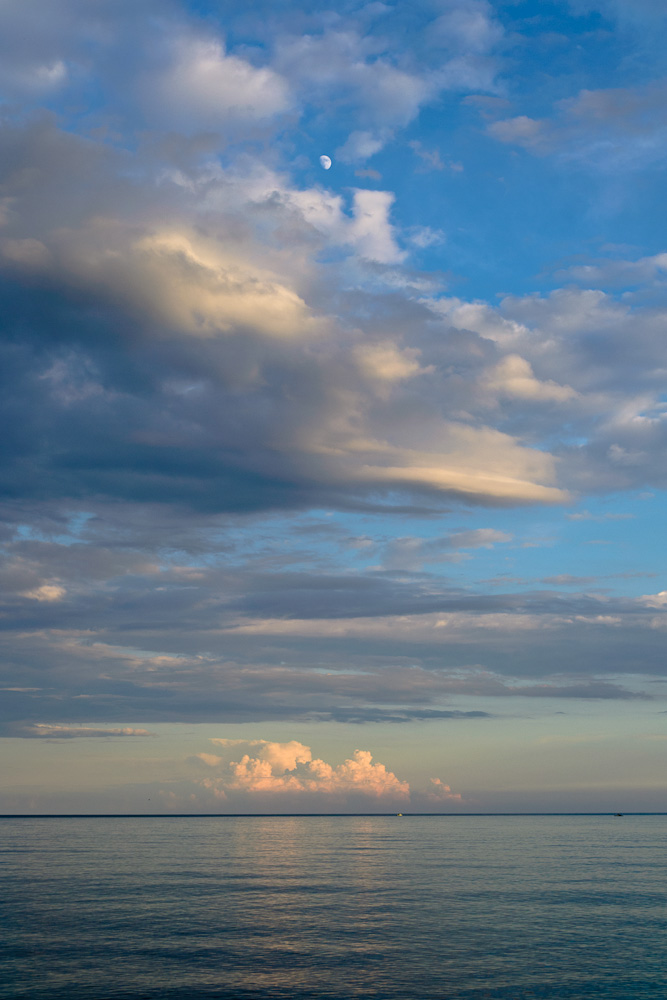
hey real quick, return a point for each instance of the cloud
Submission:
(478, 538)
(360, 146)
(45, 592)
(430, 158)
(619, 273)
(200, 345)
(641, 14)
(424, 236)
(342, 65)
(203, 87)
(411, 553)
(175, 278)
(612, 130)
(521, 130)
(369, 76)
(273, 776)
(289, 769)
(585, 515)
(46, 731)
(468, 26)
(371, 232)
(442, 793)
(513, 376)
(281, 757)
(210, 759)
(220, 322)
(385, 360)
(658, 600)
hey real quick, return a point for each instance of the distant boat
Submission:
(618, 814)
(399, 814)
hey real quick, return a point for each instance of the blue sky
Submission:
(342, 489)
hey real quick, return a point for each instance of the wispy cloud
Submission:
(43, 730)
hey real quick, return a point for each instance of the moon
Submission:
(326, 162)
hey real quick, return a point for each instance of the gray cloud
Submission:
(157, 621)
(196, 349)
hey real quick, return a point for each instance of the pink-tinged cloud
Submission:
(288, 768)
(45, 731)
(210, 759)
(280, 756)
(442, 792)
(357, 774)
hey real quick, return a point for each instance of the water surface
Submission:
(377, 907)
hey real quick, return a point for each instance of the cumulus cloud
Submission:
(281, 757)
(442, 792)
(290, 769)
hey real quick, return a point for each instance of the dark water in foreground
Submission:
(508, 908)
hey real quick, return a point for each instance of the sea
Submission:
(336, 907)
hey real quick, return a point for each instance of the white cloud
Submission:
(514, 377)
(425, 236)
(370, 232)
(345, 68)
(342, 65)
(468, 27)
(360, 146)
(205, 88)
(479, 317)
(658, 600)
(364, 226)
(522, 131)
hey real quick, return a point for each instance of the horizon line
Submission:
(310, 815)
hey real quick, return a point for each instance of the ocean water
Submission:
(338, 907)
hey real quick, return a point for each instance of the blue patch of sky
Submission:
(603, 539)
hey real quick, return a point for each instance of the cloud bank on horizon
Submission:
(285, 445)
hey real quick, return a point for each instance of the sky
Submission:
(333, 490)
